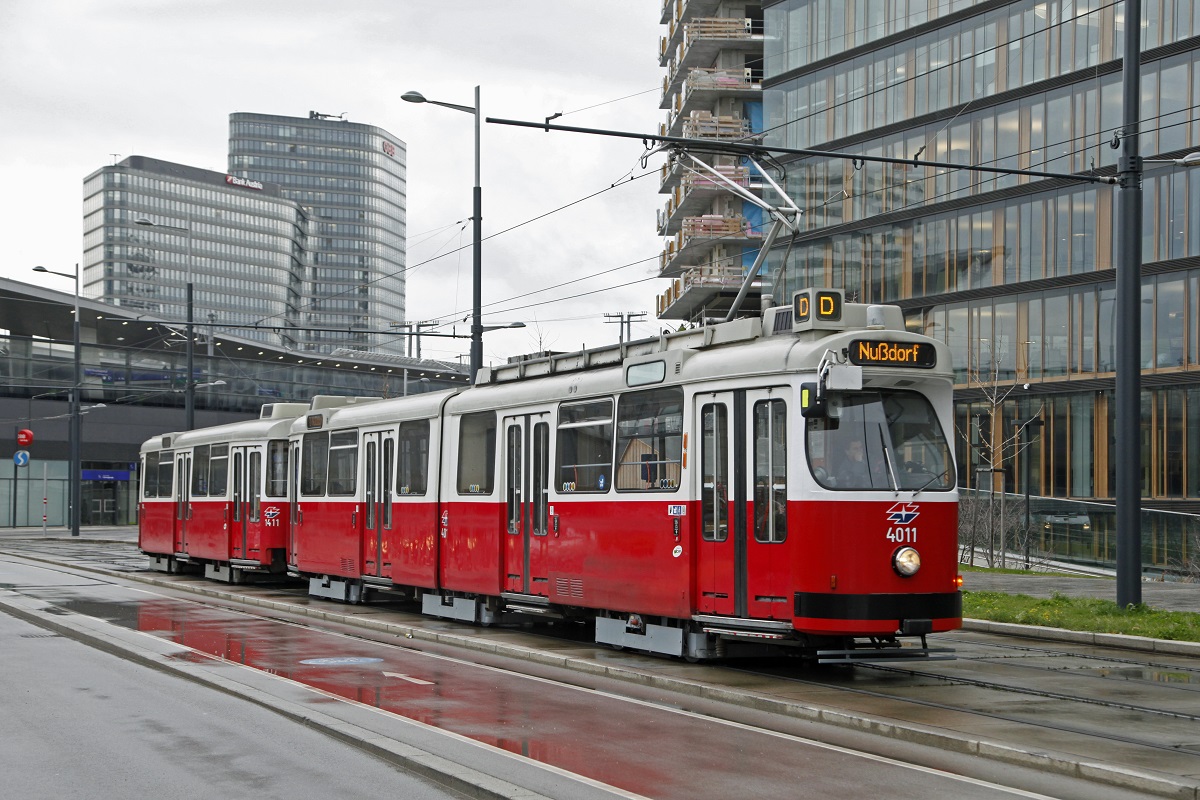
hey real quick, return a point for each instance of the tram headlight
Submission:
(906, 561)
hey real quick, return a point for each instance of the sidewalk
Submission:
(110, 533)
(1159, 595)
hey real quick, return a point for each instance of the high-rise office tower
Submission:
(350, 180)
(151, 227)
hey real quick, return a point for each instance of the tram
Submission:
(783, 484)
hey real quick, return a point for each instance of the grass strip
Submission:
(1082, 614)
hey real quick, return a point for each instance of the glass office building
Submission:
(1015, 273)
(350, 180)
(152, 226)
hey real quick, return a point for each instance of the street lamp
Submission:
(509, 326)
(75, 434)
(1190, 160)
(189, 387)
(477, 239)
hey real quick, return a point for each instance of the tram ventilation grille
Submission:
(38, 636)
(348, 566)
(568, 587)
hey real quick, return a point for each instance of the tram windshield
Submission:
(888, 440)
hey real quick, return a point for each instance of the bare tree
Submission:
(537, 335)
(996, 439)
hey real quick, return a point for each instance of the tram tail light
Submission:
(958, 581)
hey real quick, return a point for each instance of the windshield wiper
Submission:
(887, 461)
(930, 482)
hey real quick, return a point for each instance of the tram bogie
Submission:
(776, 486)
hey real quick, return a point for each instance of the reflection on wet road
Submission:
(626, 744)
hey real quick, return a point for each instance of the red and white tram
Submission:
(783, 483)
(217, 497)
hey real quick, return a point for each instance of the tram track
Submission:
(1049, 726)
(1024, 649)
(999, 687)
(993, 685)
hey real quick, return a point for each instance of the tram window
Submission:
(218, 470)
(714, 460)
(314, 464)
(343, 463)
(770, 471)
(585, 446)
(540, 477)
(150, 475)
(514, 479)
(200, 471)
(888, 440)
(389, 461)
(477, 453)
(650, 440)
(166, 473)
(277, 457)
(255, 488)
(372, 463)
(643, 374)
(413, 476)
(239, 486)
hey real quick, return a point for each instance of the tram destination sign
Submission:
(869, 352)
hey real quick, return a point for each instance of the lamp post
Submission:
(75, 435)
(476, 263)
(189, 386)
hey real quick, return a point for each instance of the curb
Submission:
(1114, 640)
(1158, 784)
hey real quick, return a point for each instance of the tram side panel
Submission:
(409, 546)
(622, 555)
(258, 530)
(412, 547)
(156, 509)
(471, 519)
(156, 527)
(328, 530)
(327, 538)
(210, 508)
(602, 511)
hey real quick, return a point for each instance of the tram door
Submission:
(526, 487)
(183, 506)
(296, 519)
(379, 449)
(247, 494)
(742, 567)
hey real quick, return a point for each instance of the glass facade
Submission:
(1015, 273)
(350, 180)
(241, 247)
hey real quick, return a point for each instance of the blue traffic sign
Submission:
(21, 458)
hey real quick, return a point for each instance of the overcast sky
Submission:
(88, 82)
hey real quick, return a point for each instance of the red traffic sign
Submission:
(24, 437)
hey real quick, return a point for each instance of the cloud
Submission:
(87, 83)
